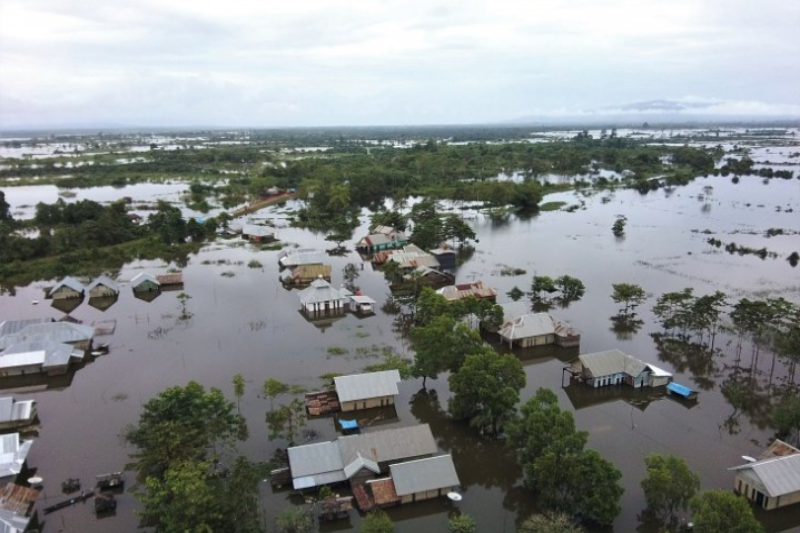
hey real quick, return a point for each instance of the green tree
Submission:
(515, 294)
(669, 485)
(294, 519)
(440, 346)
(462, 523)
(179, 425)
(720, 511)
(377, 522)
(241, 498)
(393, 219)
(5, 210)
(549, 523)
(786, 417)
(572, 289)
(285, 422)
(542, 284)
(167, 222)
(238, 389)
(618, 229)
(456, 229)
(486, 389)
(629, 294)
(274, 388)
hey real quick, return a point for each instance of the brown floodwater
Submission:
(249, 324)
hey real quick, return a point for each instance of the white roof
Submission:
(512, 310)
(13, 454)
(364, 386)
(9, 327)
(45, 353)
(778, 475)
(11, 522)
(305, 257)
(140, 278)
(63, 332)
(321, 291)
(12, 410)
(72, 283)
(532, 325)
(422, 475)
(106, 281)
(659, 372)
(358, 463)
(362, 299)
(259, 231)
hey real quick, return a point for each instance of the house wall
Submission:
(335, 305)
(21, 370)
(605, 381)
(145, 286)
(101, 291)
(659, 381)
(426, 495)
(568, 342)
(539, 340)
(65, 292)
(362, 476)
(751, 489)
(381, 401)
(57, 370)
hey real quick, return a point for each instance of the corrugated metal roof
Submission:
(679, 389)
(9, 327)
(72, 283)
(424, 474)
(312, 271)
(13, 410)
(13, 453)
(354, 466)
(105, 281)
(364, 386)
(143, 277)
(305, 257)
(389, 444)
(658, 371)
(11, 522)
(315, 459)
(463, 290)
(779, 475)
(46, 353)
(532, 325)
(64, 332)
(258, 231)
(361, 299)
(612, 362)
(321, 291)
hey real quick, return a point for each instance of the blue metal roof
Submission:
(348, 424)
(679, 389)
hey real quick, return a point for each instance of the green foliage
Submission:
(454, 227)
(442, 345)
(572, 289)
(618, 229)
(669, 485)
(240, 499)
(564, 476)
(285, 421)
(391, 361)
(238, 388)
(254, 264)
(274, 388)
(515, 294)
(462, 523)
(549, 523)
(720, 511)
(486, 389)
(294, 519)
(630, 294)
(542, 284)
(167, 222)
(393, 219)
(552, 206)
(377, 522)
(179, 425)
(786, 417)
(689, 313)
(5, 210)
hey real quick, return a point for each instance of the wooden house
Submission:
(772, 481)
(304, 274)
(301, 256)
(172, 281)
(67, 288)
(16, 414)
(103, 287)
(424, 479)
(539, 329)
(611, 367)
(321, 297)
(363, 391)
(144, 282)
(13, 454)
(464, 290)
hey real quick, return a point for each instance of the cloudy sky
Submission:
(330, 62)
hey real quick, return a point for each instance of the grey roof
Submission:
(12, 410)
(313, 459)
(532, 325)
(321, 291)
(13, 454)
(779, 475)
(424, 474)
(63, 332)
(354, 466)
(361, 299)
(305, 257)
(9, 327)
(259, 231)
(389, 444)
(412, 256)
(11, 522)
(44, 353)
(364, 386)
(72, 283)
(611, 362)
(106, 281)
(142, 277)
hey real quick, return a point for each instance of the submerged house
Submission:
(362, 305)
(255, 233)
(11, 327)
(39, 357)
(14, 414)
(539, 329)
(363, 391)
(76, 335)
(446, 258)
(356, 458)
(171, 281)
(67, 288)
(144, 282)
(424, 479)
(299, 257)
(613, 367)
(305, 274)
(103, 287)
(382, 238)
(321, 297)
(464, 290)
(773, 480)
(13, 454)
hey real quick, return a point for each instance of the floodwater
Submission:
(249, 324)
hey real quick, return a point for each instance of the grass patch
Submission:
(552, 206)
(273, 246)
(362, 334)
(337, 351)
(254, 264)
(228, 274)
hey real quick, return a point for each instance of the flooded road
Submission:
(250, 324)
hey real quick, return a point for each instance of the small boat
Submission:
(34, 302)
(110, 481)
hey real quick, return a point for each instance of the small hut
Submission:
(171, 282)
(103, 287)
(67, 288)
(144, 282)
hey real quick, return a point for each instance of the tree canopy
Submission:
(720, 511)
(669, 486)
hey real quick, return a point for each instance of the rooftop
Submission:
(424, 474)
(13, 453)
(321, 291)
(778, 475)
(69, 282)
(59, 332)
(12, 410)
(364, 386)
(106, 282)
(612, 362)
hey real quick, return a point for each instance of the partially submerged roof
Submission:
(389, 444)
(144, 277)
(778, 475)
(258, 231)
(312, 271)
(12, 410)
(364, 386)
(44, 353)
(316, 464)
(612, 362)
(9, 327)
(305, 257)
(13, 453)
(463, 290)
(423, 475)
(106, 282)
(531, 325)
(321, 291)
(68, 282)
(60, 332)
(361, 299)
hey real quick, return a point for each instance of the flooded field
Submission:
(248, 323)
